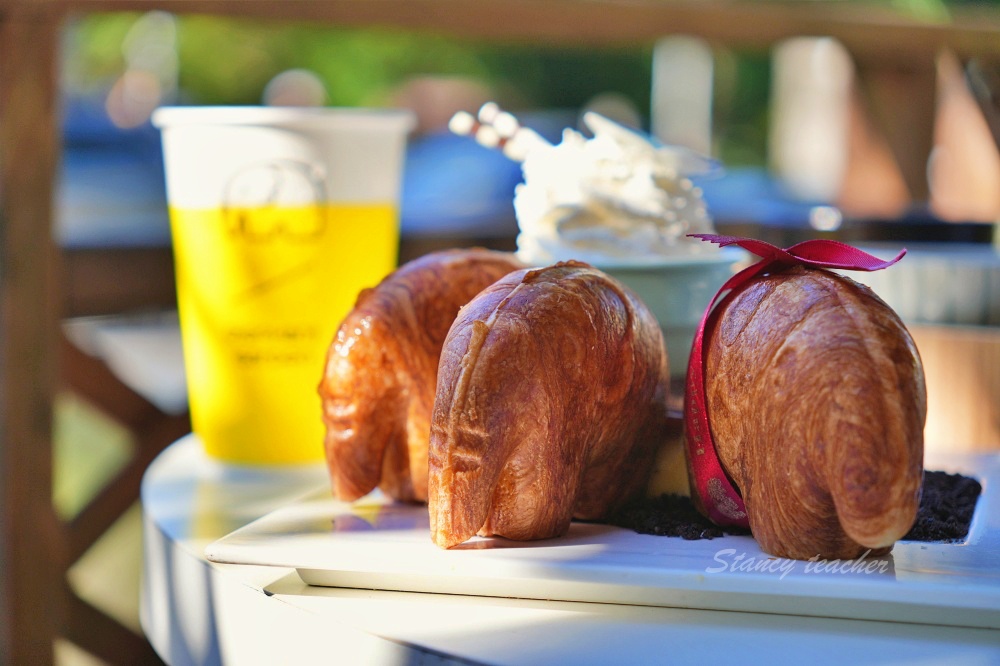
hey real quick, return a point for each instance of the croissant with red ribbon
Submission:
(814, 393)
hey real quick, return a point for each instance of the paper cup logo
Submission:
(276, 200)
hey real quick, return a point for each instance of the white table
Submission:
(198, 612)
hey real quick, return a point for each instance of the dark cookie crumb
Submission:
(670, 515)
(946, 507)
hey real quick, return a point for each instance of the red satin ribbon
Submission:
(720, 499)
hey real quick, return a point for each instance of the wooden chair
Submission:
(152, 430)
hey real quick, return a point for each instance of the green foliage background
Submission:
(227, 61)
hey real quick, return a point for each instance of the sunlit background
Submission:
(802, 153)
(795, 110)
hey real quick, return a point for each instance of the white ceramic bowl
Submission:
(678, 291)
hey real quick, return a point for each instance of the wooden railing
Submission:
(895, 54)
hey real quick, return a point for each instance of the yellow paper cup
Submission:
(279, 217)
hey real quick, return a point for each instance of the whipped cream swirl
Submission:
(615, 199)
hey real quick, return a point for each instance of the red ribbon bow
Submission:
(720, 499)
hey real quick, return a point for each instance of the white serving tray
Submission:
(374, 544)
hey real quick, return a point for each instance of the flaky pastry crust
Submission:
(551, 403)
(378, 383)
(816, 401)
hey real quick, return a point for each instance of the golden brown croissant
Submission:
(551, 402)
(378, 384)
(816, 401)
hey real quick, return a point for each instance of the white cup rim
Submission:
(355, 118)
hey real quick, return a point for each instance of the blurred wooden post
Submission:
(901, 96)
(30, 543)
(984, 82)
(962, 369)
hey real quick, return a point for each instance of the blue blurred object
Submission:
(111, 189)
(112, 192)
(753, 195)
(452, 186)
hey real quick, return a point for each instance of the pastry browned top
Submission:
(551, 402)
(381, 371)
(816, 401)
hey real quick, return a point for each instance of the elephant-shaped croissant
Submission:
(378, 384)
(816, 401)
(551, 404)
